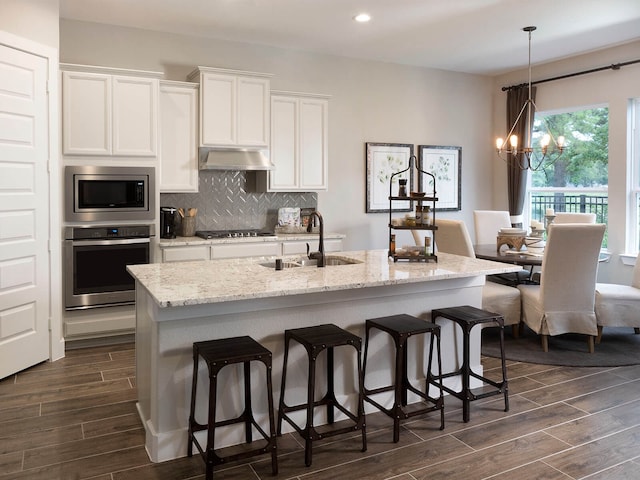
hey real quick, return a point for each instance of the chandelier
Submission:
(526, 156)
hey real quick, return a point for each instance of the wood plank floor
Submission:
(76, 419)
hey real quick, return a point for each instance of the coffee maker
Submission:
(168, 222)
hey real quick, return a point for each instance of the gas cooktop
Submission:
(208, 234)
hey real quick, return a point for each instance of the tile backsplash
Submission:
(226, 201)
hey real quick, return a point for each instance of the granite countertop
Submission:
(280, 237)
(205, 282)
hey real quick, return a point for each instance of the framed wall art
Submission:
(445, 164)
(383, 160)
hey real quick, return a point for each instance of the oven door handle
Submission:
(124, 241)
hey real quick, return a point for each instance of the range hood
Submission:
(234, 159)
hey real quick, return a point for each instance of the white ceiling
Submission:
(476, 36)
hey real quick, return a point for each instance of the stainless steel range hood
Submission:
(234, 159)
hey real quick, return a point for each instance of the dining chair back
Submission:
(564, 300)
(488, 222)
(452, 236)
(574, 217)
(619, 305)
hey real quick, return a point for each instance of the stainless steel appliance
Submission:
(209, 234)
(96, 261)
(168, 222)
(109, 194)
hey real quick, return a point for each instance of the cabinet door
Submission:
(135, 118)
(217, 101)
(185, 254)
(86, 114)
(253, 111)
(313, 144)
(178, 134)
(284, 120)
(237, 250)
(299, 247)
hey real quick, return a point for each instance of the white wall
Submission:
(371, 102)
(613, 88)
(36, 20)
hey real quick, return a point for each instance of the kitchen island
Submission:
(179, 303)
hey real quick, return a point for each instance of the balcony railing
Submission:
(597, 203)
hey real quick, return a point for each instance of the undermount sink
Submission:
(311, 262)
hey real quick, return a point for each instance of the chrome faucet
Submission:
(319, 255)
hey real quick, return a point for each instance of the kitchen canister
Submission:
(289, 217)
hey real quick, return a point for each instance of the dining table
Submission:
(489, 251)
(526, 259)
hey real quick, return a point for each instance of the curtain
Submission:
(517, 176)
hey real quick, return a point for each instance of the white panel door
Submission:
(218, 110)
(135, 116)
(86, 114)
(24, 211)
(313, 146)
(284, 144)
(253, 111)
(178, 137)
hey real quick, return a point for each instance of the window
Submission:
(578, 180)
(634, 156)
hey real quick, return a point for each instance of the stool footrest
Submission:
(467, 317)
(228, 454)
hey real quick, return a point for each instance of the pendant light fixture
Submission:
(523, 154)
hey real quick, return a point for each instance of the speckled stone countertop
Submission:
(186, 241)
(205, 282)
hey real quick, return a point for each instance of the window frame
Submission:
(632, 241)
(574, 190)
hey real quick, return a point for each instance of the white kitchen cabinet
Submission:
(300, 247)
(178, 137)
(236, 250)
(299, 143)
(185, 254)
(234, 107)
(109, 112)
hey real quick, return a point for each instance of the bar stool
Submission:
(316, 339)
(400, 328)
(218, 354)
(468, 317)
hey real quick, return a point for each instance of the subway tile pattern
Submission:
(227, 200)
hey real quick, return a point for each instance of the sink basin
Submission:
(308, 262)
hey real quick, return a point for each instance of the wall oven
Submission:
(109, 194)
(96, 261)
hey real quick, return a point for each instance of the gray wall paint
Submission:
(36, 20)
(370, 102)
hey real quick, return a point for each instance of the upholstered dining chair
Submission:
(574, 217)
(619, 305)
(488, 222)
(564, 300)
(452, 236)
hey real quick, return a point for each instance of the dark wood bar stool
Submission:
(468, 317)
(400, 328)
(218, 354)
(315, 340)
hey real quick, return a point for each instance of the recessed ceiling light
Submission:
(362, 17)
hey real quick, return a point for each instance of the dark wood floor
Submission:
(76, 418)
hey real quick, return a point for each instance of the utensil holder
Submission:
(188, 226)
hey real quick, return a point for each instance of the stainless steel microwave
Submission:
(97, 193)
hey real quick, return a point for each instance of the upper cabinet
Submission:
(178, 137)
(234, 107)
(109, 112)
(299, 143)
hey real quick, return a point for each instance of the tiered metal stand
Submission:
(427, 254)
